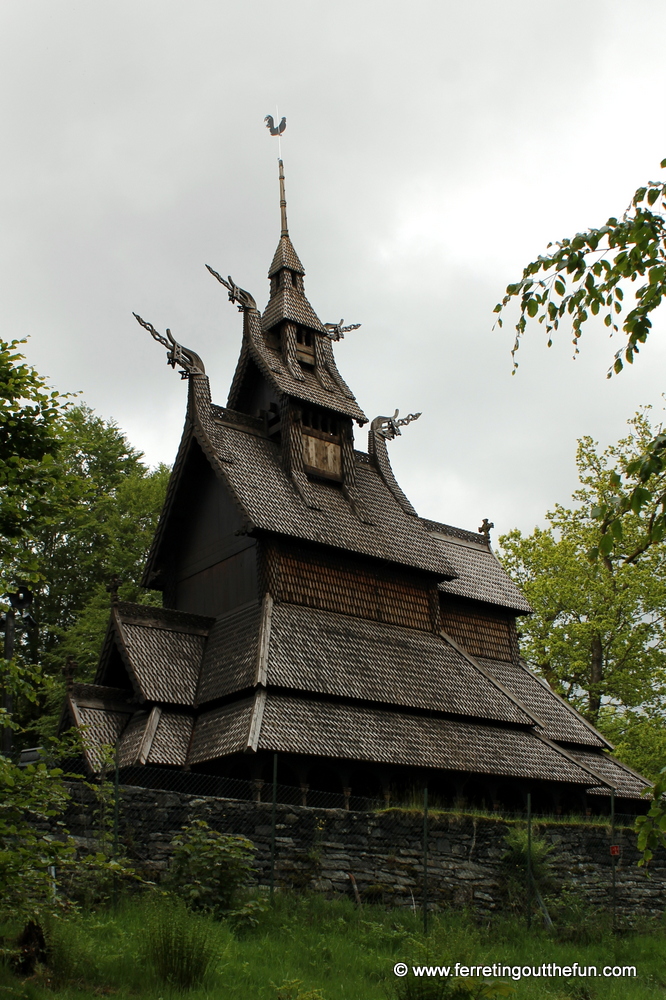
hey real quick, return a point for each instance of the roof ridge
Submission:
(448, 529)
(171, 616)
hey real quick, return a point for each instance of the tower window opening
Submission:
(318, 420)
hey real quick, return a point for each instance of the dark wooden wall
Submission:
(480, 629)
(213, 568)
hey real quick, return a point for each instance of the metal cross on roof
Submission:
(112, 587)
(484, 529)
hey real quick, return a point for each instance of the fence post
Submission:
(529, 860)
(116, 807)
(425, 860)
(613, 856)
(273, 819)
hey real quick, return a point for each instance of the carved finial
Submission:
(336, 331)
(238, 295)
(69, 672)
(190, 363)
(484, 529)
(389, 427)
(112, 586)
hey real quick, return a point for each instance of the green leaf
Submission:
(532, 307)
(606, 545)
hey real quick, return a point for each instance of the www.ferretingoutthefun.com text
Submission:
(548, 970)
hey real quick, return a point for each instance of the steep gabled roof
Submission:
(102, 713)
(285, 256)
(479, 575)
(264, 491)
(161, 650)
(230, 660)
(156, 737)
(302, 649)
(249, 465)
(628, 783)
(333, 394)
(331, 654)
(289, 303)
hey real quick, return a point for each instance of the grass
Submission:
(309, 948)
(541, 819)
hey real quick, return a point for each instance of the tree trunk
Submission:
(596, 677)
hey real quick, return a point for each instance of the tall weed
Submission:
(179, 946)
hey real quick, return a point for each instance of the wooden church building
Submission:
(308, 610)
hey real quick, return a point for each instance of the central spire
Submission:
(283, 203)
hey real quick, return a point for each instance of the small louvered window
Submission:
(322, 453)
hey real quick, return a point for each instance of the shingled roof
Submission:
(285, 256)
(557, 719)
(255, 476)
(332, 654)
(628, 784)
(101, 713)
(336, 396)
(332, 649)
(353, 732)
(479, 575)
(160, 648)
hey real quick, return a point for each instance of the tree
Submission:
(598, 634)
(585, 274)
(77, 505)
(99, 520)
(30, 413)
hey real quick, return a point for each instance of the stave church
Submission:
(309, 611)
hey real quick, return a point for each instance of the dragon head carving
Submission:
(243, 299)
(189, 361)
(389, 427)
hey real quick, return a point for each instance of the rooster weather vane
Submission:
(272, 127)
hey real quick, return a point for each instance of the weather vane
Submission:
(276, 129)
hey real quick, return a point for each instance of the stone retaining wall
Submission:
(320, 848)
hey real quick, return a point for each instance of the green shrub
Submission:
(514, 861)
(208, 868)
(179, 946)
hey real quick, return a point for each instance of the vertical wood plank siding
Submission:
(296, 574)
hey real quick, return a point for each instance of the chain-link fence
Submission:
(411, 854)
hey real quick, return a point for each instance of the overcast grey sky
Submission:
(432, 150)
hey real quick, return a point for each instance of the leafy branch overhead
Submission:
(584, 276)
(587, 276)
